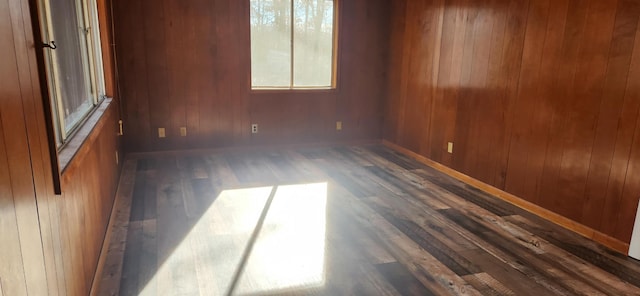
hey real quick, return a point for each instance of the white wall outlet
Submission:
(450, 147)
(338, 125)
(183, 131)
(254, 128)
(161, 133)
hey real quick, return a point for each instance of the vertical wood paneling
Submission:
(127, 64)
(12, 269)
(80, 216)
(611, 108)
(23, 266)
(421, 70)
(543, 113)
(539, 97)
(50, 243)
(489, 120)
(517, 18)
(525, 101)
(579, 128)
(464, 87)
(363, 49)
(623, 187)
(574, 31)
(157, 72)
(187, 64)
(479, 46)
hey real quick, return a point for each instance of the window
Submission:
(74, 62)
(292, 44)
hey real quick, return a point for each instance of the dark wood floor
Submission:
(359, 220)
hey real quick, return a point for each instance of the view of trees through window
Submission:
(292, 43)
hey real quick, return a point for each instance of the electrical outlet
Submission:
(161, 133)
(254, 128)
(338, 125)
(183, 131)
(450, 147)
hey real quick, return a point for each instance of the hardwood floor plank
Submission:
(176, 270)
(509, 265)
(402, 279)
(351, 269)
(138, 199)
(150, 195)
(112, 271)
(487, 285)
(392, 172)
(508, 276)
(424, 215)
(144, 164)
(429, 243)
(374, 252)
(131, 267)
(362, 220)
(397, 159)
(386, 171)
(614, 270)
(552, 279)
(431, 272)
(147, 283)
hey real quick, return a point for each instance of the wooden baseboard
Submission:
(567, 223)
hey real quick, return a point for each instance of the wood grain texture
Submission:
(82, 212)
(539, 98)
(50, 243)
(565, 222)
(187, 64)
(23, 269)
(357, 220)
(73, 225)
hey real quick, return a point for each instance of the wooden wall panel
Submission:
(82, 212)
(74, 224)
(187, 64)
(50, 244)
(539, 97)
(22, 270)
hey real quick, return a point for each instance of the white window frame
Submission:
(92, 61)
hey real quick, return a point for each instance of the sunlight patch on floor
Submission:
(289, 252)
(213, 247)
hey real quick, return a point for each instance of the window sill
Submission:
(293, 90)
(71, 148)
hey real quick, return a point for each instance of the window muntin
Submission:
(74, 68)
(292, 44)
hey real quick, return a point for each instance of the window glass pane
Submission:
(313, 43)
(99, 88)
(71, 57)
(271, 43)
